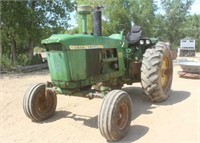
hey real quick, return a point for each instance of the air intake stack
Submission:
(84, 10)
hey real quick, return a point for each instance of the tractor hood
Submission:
(77, 40)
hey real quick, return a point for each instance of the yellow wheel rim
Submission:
(165, 72)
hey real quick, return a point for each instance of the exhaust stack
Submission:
(97, 21)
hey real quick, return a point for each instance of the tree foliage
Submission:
(25, 23)
(143, 14)
(169, 24)
(118, 15)
(191, 28)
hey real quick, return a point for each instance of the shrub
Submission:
(6, 64)
(22, 59)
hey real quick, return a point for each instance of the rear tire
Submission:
(37, 105)
(115, 115)
(157, 72)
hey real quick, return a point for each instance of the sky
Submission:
(195, 9)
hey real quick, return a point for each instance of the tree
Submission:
(191, 28)
(11, 26)
(25, 23)
(168, 26)
(115, 16)
(143, 14)
(118, 15)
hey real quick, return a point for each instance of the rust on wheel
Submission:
(165, 72)
(115, 115)
(39, 104)
(43, 102)
(123, 115)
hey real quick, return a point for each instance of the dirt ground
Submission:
(177, 120)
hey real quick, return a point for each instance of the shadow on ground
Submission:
(135, 133)
(140, 106)
(87, 120)
(143, 106)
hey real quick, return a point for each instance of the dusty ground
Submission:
(175, 120)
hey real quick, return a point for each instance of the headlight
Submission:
(141, 42)
(148, 42)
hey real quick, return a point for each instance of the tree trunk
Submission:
(31, 39)
(13, 51)
(30, 52)
(1, 51)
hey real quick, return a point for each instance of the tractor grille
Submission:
(93, 67)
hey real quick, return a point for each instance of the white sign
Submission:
(187, 44)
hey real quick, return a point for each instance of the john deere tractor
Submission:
(91, 65)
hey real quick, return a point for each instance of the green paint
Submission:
(84, 24)
(82, 39)
(77, 64)
(80, 60)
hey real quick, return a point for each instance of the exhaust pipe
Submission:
(97, 21)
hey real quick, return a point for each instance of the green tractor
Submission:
(91, 65)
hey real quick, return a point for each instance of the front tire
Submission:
(157, 72)
(39, 105)
(115, 115)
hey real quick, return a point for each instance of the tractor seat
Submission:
(134, 35)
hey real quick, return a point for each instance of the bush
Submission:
(6, 64)
(22, 59)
